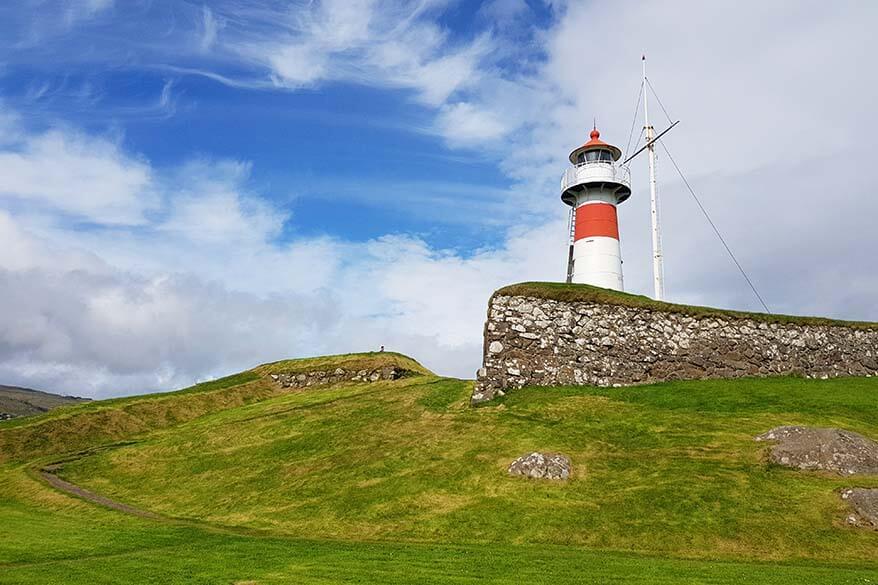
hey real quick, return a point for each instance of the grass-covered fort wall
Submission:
(546, 334)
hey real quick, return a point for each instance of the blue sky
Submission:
(190, 188)
(352, 159)
(344, 159)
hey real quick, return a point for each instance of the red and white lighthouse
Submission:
(593, 187)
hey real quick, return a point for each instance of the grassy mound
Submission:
(399, 482)
(69, 429)
(349, 361)
(559, 291)
(75, 428)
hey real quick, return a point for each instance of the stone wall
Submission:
(336, 376)
(542, 342)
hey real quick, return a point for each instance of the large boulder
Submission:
(541, 466)
(822, 449)
(864, 506)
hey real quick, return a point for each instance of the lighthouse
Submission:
(593, 187)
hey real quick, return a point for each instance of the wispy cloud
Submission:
(210, 27)
(398, 45)
(78, 10)
(385, 44)
(30, 24)
(251, 82)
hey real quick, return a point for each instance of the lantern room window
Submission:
(597, 155)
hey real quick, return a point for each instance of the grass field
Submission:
(402, 482)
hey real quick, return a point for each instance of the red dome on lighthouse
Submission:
(595, 144)
(595, 136)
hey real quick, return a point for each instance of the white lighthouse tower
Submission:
(593, 187)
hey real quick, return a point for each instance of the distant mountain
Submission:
(15, 401)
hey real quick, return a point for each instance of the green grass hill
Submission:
(240, 481)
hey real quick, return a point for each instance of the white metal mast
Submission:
(658, 276)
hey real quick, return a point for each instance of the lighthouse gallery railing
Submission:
(595, 171)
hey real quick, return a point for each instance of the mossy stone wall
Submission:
(547, 342)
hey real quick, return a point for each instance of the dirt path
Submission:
(47, 473)
(75, 490)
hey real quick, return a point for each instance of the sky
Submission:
(189, 189)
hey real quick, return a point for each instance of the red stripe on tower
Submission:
(596, 219)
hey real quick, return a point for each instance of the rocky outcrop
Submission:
(541, 466)
(336, 376)
(822, 449)
(864, 506)
(544, 342)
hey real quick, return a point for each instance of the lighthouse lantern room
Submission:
(593, 187)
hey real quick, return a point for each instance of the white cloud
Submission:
(74, 173)
(297, 65)
(117, 312)
(10, 129)
(210, 27)
(201, 288)
(77, 10)
(21, 252)
(436, 76)
(121, 333)
(209, 204)
(464, 124)
(376, 43)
